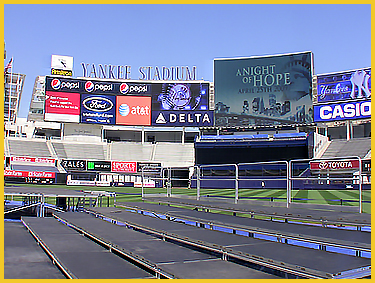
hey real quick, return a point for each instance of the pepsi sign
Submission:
(63, 85)
(98, 87)
(135, 88)
(98, 109)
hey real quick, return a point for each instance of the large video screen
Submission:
(181, 104)
(266, 90)
(174, 103)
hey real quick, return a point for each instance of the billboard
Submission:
(183, 118)
(25, 174)
(181, 104)
(342, 111)
(99, 165)
(335, 165)
(122, 166)
(174, 103)
(61, 65)
(62, 107)
(133, 110)
(344, 86)
(98, 109)
(264, 90)
(74, 164)
(27, 159)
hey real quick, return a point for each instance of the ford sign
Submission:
(98, 104)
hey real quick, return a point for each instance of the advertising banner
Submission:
(99, 166)
(62, 107)
(183, 118)
(149, 167)
(98, 109)
(344, 86)
(263, 90)
(62, 65)
(121, 166)
(106, 102)
(73, 164)
(63, 84)
(27, 159)
(62, 62)
(133, 110)
(342, 111)
(25, 174)
(133, 88)
(335, 165)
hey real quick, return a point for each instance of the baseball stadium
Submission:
(264, 173)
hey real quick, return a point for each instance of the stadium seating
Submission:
(28, 147)
(354, 147)
(131, 151)
(174, 154)
(80, 150)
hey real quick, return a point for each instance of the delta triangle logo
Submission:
(160, 119)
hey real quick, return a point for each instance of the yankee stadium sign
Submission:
(123, 72)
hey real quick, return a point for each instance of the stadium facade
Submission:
(274, 103)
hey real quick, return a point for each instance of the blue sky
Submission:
(182, 35)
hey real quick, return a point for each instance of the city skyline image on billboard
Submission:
(266, 90)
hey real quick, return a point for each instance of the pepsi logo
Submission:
(124, 88)
(55, 84)
(89, 86)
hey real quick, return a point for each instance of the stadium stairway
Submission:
(353, 147)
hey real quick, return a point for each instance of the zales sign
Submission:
(334, 165)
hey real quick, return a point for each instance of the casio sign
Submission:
(98, 104)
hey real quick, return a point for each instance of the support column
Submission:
(143, 135)
(348, 132)
(62, 131)
(183, 135)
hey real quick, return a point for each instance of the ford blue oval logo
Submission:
(99, 104)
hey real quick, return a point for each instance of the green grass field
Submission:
(331, 197)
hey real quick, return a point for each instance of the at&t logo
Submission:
(125, 110)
